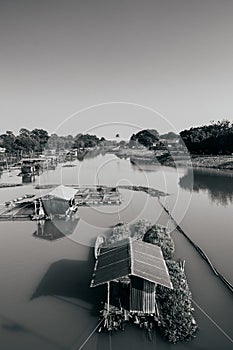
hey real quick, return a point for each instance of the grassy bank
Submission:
(203, 161)
(143, 155)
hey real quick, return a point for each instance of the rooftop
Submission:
(131, 258)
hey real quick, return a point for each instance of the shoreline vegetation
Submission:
(176, 320)
(141, 156)
(207, 146)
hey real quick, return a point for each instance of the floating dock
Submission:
(23, 208)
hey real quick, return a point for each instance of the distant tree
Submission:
(170, 136)
(41, 136)
(7, 141)
(145, 137)
(86, 140)
(25, 142)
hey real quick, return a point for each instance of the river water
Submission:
(45, 299)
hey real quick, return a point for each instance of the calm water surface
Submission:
(45, 299)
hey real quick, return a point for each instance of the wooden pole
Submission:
(108, 297)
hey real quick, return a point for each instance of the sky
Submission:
(72, 66)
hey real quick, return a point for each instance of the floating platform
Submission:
(23, 208)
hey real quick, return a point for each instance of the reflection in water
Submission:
(219, 184)
(55, 229)
(144, 164)
(89, 153)
(27, 178)
(71, 279)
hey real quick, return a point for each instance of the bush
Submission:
(159, 235)
(119, 232)
(140, 228)
(176, 311)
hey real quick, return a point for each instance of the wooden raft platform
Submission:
(23, 208)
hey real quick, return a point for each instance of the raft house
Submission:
(31, 166)
(59, 202)
(131, 269)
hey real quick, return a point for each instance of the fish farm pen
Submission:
(57, 200)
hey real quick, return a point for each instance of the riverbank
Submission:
(143, 155)
(211, 162)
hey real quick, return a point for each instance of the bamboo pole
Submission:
(108, 296)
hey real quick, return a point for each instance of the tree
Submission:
(146, 137)
(86, 140)
(159, 235)
(7, 141)
(41, 136)
(215, 138)
(170, 136)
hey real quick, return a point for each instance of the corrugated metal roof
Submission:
(63, 192)
(131, 257)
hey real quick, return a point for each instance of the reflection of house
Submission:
(55, 229)
(133, 268)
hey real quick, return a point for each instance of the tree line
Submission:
(215, 138)
(28, 142)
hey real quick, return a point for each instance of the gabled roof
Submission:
(131, 257)
(63, 192)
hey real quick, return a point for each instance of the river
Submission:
(45, 299)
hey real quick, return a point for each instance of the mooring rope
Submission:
(199, 250)
(210, 318)
(89, 336)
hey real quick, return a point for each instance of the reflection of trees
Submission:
(145, 164)
(218, 184)
(89, 154)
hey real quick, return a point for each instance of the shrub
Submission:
(176, 310)
(159, 235)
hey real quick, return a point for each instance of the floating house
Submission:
(131, 269)
(59, 202)
(31, 166)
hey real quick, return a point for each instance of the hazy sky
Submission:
(59, 56)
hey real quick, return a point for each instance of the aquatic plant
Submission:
(140, 228)
(176, 310)
(119, 232)
(160, 236)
